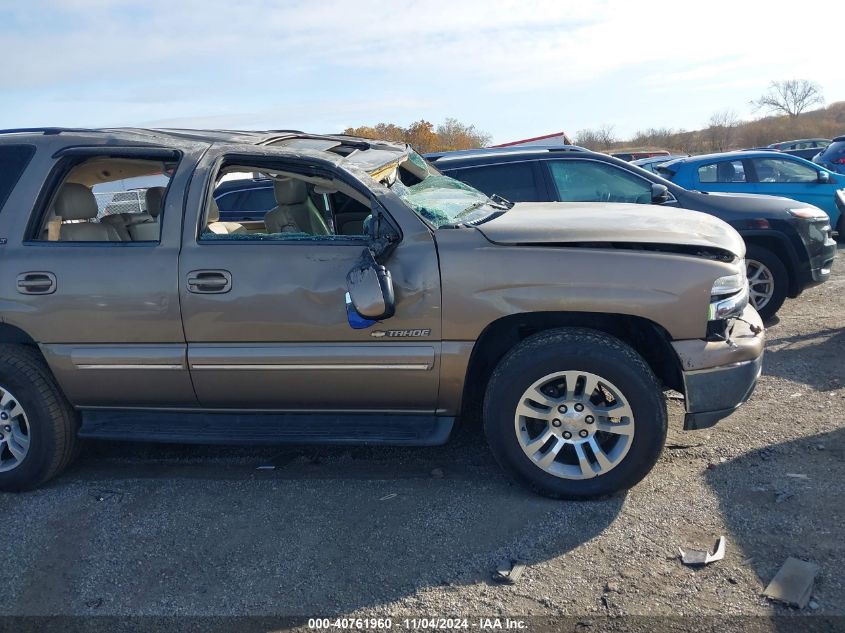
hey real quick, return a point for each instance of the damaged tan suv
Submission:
(372, 301)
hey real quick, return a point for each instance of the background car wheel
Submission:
(575, 413)
(37, 425)
(840, 229)
(767, 280)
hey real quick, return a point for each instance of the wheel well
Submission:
(777, 247)
(647, 338)
(12, 334)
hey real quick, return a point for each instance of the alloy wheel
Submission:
(14, 431)
(761, 283)
(574, 424)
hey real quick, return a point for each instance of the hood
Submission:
(742, 202)
(591, 222)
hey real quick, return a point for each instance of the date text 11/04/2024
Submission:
(433, 624)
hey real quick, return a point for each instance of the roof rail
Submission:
(513, 149)
(346, 140)
(43, 130)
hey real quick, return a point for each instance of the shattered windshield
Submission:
(443, 201)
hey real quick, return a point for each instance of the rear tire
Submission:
(38, 427)
(560, 367)
(767, 266)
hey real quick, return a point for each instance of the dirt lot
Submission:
(153, 530)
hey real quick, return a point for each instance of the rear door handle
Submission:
(209, 281)
(36, 283)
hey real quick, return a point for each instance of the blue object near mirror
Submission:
(356, 321)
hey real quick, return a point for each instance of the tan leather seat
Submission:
(76, 202)
(118, 222)
(145, 227)
(214, 224)
(294, 213)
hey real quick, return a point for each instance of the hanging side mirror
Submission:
(824, 177)
(370, 288)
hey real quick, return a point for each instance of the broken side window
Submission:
(254, 204)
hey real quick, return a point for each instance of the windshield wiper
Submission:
(496, 201)
(501, 202)
(471, 208)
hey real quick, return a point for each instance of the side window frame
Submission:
(697, 171)
(751, 163)
(541, 184)
(553, 187)
(70, 157)
(283, 163)
(748, 174)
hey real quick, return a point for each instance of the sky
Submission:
(514, 69)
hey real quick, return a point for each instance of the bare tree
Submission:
(721, 130)
(599, 138)
(663, 138)
(790, 97)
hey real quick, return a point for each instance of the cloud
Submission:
(242, 62)
(302, 115)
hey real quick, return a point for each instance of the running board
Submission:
(265, 428)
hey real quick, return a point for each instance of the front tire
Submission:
(574, 414)
(768, 280)
(38, 428)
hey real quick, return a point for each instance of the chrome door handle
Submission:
(209, 281)
(36, 283)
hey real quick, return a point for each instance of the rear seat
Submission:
(118, 222)
(145, 227)
(76, 202)
(214, 225)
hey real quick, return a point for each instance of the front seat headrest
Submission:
(725, 172)
(154, 198)
(213, 212)
(290, 191)
(75, 202)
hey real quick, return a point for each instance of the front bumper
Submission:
(719, 376)
(820, 246)
(822, 261)
(713, 394)
(820, 273)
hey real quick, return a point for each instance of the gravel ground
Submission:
(154, 530)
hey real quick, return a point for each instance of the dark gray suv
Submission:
(789, 245)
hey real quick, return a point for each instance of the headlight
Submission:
(728, 297)
(729, 284)
(808, 213)
(728, 308)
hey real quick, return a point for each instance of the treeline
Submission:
(424, 136)
(788, 101)
(724, 132)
